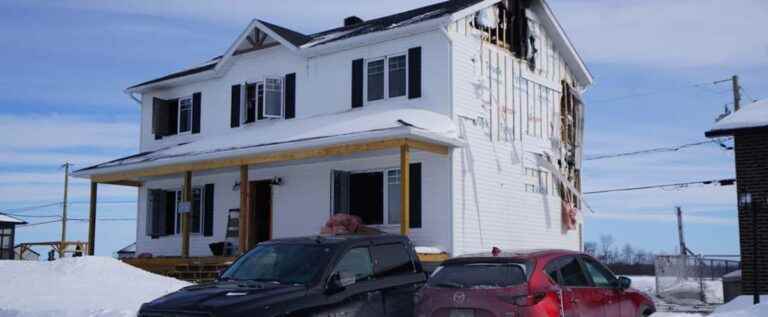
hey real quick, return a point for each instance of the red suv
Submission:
(554, 283)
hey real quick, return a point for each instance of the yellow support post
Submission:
(405, 188)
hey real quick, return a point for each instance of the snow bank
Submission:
(85, 286)
(742, 307)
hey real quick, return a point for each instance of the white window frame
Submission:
(538, 183)
(385, 201)
(385, 93)
(177, 216)
(280, 80)
(191, 115)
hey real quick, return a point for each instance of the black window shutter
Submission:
(357, 83)
(234, 120)
(173, 116)
(197, 99)
(414, 73)
(415, 195)
(169, 216)
(290, 96)
(155, 212)
(157, 117)
(208, 210)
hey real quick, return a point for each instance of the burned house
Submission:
(459, 124)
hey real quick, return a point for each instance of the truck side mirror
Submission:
(339, 281)
(624, 282)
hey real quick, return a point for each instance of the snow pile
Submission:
(742, 307)
(683, 291)
(751, 116)
(84, 286)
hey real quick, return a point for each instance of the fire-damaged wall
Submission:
(516, 104)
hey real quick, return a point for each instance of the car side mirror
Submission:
(624, 282)
(339, 281)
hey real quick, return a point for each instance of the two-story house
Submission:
(459, 124)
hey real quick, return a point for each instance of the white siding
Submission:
(301, 205)
(323, 84)
(505, 113)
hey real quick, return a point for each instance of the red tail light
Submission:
(526, 300)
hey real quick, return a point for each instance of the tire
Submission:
(645, 311)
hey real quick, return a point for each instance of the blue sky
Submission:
(65, 63)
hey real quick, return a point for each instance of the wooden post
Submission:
(92, 219)
(244, 209)
(185, 217)
(405, 188)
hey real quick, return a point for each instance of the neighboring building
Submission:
(128, 252)
(459, 124)
(749, 128)
(7, 235)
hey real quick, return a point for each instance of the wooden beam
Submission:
(186, 217)
(125, 183)
(292, 155)
(405, 188)
(92, 220)
(256, 48)
(244, 208)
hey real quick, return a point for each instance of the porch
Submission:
(246, 169)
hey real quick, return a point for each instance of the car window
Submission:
(283, 263)
(391, 259)
(599, 275)
(478, 275)
(358, 262)
(567, 271)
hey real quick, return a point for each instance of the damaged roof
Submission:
(368, 124)
(752, 116)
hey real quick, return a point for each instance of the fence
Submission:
(691, 278)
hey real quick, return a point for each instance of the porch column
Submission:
(92, 220)
(405, 188)
(185, 217)
(244, 218)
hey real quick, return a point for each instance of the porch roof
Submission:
(284, 138)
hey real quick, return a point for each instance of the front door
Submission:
(261, 212)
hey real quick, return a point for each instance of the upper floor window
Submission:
(185, 114)
(263, 99)
(536, 181)
(386, 77)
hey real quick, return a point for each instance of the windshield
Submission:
(478, 275)
(280, 263)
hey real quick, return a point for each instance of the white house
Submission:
(468, 109)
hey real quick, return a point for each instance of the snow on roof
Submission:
(357, 125)
(9, 219)
(754, 115)
(81, 286)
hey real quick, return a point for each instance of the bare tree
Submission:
(628, 254)
(606, 248)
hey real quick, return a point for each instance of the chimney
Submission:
(352, 20)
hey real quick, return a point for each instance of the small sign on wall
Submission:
(185, 207)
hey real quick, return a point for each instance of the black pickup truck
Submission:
(340, 275)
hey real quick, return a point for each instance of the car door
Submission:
(397, 277)
(362, 298)
(606, 285)
(578, 297)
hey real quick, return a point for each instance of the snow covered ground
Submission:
(83, 287)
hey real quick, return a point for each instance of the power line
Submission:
(659, 150)
(651, 93)
(720, 182)
(72, 219)
(30, 208)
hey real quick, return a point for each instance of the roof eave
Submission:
(716, 133)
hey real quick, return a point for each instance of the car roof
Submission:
(339, 239)
(529, 254)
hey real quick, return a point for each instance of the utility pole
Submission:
(736, 91)
(683, 248)
(63, 244)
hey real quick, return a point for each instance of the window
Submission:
(599, 275)
(567, 271)
(273, 98)
(393, 196)
(376, 80)
(536, 181)
(6, 242)
(358, 262)
(397, 76)
(195, 225)
(251, 99)
(391, 259)
(282, 263)
(387, 77)
(185, 114)
(478, 275)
